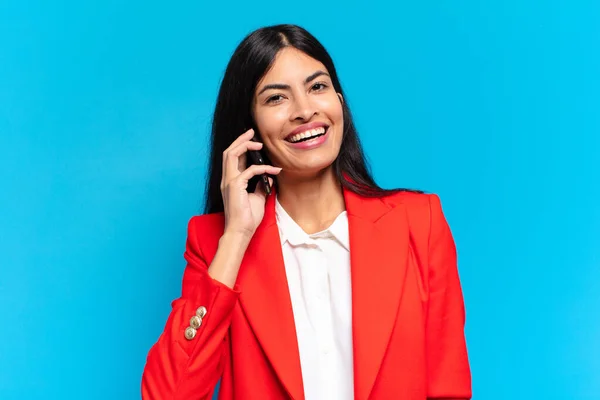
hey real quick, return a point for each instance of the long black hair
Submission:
(233, 114)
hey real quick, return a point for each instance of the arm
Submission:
(189, 368)
(186, 364)
(448, 372)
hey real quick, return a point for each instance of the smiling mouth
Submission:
(308, 135)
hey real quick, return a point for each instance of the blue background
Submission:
(105, 108)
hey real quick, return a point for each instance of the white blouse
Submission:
(318, 274)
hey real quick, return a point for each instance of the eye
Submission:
(274, 99)
(319, 86)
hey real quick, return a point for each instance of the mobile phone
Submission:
(257, 158)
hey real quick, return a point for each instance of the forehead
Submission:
(290, 65)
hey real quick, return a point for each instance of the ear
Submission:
(341, 98)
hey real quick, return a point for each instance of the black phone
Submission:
(257, 158)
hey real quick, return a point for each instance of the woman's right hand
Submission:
(243, 211)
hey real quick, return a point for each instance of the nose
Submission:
(303, 108)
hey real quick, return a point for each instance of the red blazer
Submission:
(407, 310)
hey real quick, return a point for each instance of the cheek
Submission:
(339, 115)
(333, 109)
(270, 121)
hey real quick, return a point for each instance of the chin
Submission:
(312, 169)
(311, 163)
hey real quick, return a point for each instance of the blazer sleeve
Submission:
(180, 367)
(448, 372)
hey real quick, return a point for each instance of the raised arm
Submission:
(188, 359)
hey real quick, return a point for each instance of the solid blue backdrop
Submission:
(105, 108)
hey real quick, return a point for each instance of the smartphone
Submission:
(257, 158)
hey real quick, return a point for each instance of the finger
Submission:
(235, 160)
(254, 170)
(244, 137)
(242, 154)
(243, 147)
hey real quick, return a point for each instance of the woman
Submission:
(328, 288)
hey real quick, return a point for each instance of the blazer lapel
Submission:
(379, 239)
(266, 302)
(378, 253)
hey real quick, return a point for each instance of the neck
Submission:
(313, 202)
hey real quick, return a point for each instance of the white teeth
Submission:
(307, 134)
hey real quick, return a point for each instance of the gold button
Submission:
(201, 311)
(190, 333)
(195, 322)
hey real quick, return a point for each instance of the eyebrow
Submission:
(281, 86)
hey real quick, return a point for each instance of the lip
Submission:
(312, 143)
(307, 127)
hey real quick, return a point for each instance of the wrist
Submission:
(235, 240)
(228, 259)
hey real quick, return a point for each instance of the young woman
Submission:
(329, 287)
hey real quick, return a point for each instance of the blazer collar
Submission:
(378, 238)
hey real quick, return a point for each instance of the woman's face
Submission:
(298, 114)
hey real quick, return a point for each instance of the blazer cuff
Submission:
(206, 312)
